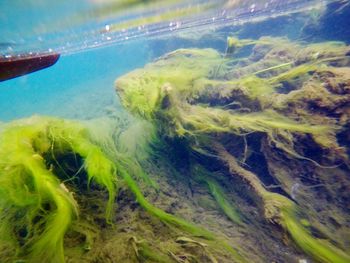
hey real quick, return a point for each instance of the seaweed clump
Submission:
(54, 173)
(287, 101)
(38, 203)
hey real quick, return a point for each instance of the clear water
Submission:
(100, 41)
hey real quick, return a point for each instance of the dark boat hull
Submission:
(19, 66)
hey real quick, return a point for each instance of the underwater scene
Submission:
(149, 131)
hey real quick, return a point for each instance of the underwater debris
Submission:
(289, 93)
(144, 252)
(187, 241)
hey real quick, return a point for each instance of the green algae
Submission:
(226, 207)
(141, 91)
(178, 222)
(234, 44)
(281, 210)
(144, 252)
(219, 195)
(37, 208)
(47, 203)
(288, 64)
(294, 73)
(165, 217)
(168, 96)
(199, 107)
(320, 249)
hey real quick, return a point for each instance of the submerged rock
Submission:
(275, 117)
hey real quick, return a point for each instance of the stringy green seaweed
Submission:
(281, 210)
(176, 221)
(178, 81)
(203, 176)
(36, 207)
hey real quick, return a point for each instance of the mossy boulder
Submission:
(280, 101)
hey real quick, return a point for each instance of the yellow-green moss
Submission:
(36, 207)
(203, 176)
(191, 94)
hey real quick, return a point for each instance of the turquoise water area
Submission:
(79, 86)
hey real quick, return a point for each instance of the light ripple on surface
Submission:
(69, 28)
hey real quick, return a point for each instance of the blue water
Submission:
(78, 86)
